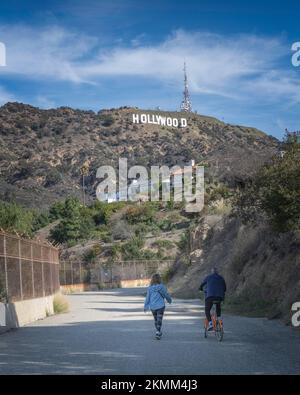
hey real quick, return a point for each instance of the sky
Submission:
(97, 54)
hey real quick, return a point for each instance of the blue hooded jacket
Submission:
(214, 286)
(156, 295)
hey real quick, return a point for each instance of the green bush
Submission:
(102, 211)
(144, 213)
(275, 191)
(166, 224)
(121, 230)
(133, 248)
(165, 244)
(184, 242)
(60, 304)
(40, 220)
(53, 177)
(106, 120)
(91, 255)
(15, 218)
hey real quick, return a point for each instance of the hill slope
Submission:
(42, 151)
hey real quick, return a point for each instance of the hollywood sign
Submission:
(154, 119)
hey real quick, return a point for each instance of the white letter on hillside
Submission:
(183, 122)
(135, 118)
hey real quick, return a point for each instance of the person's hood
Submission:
(157, 287)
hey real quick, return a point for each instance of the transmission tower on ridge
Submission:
(186, 104)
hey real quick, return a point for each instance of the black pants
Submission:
(209, 304)
(158, 317)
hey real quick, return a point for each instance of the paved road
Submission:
(108, 333)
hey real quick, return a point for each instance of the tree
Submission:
(76, 222)
(69, 229)
(275, 190)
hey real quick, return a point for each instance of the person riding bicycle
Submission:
(214, 287)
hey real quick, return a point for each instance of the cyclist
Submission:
(214, 287)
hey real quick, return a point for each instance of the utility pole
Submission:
(186, 104)
(84, 172)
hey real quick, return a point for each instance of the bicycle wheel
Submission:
(219, 331)
(205, 329)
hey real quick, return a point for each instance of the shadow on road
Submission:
(110, 339)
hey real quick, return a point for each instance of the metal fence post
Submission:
(32, 271)
(43, 275)
(5, 264)
(72, 280)
(51, 273)
(65, 273)
(20, 268)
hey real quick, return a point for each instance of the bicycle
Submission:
(218, 327)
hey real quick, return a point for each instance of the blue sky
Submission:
(97, 54)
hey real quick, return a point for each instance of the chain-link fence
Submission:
(72, 273)
(28, 269)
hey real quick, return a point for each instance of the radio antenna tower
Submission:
(186, 104)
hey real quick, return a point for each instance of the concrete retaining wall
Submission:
(135, 283)
(69, 289)
(24, 312)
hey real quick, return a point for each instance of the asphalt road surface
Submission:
(108, 333)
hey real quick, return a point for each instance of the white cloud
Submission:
(5, 96)
(231, 66)
(52, 52)
(44, 102)
(241, 66)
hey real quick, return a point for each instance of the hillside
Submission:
(42, 151)
(261, 267)
(41, 155)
